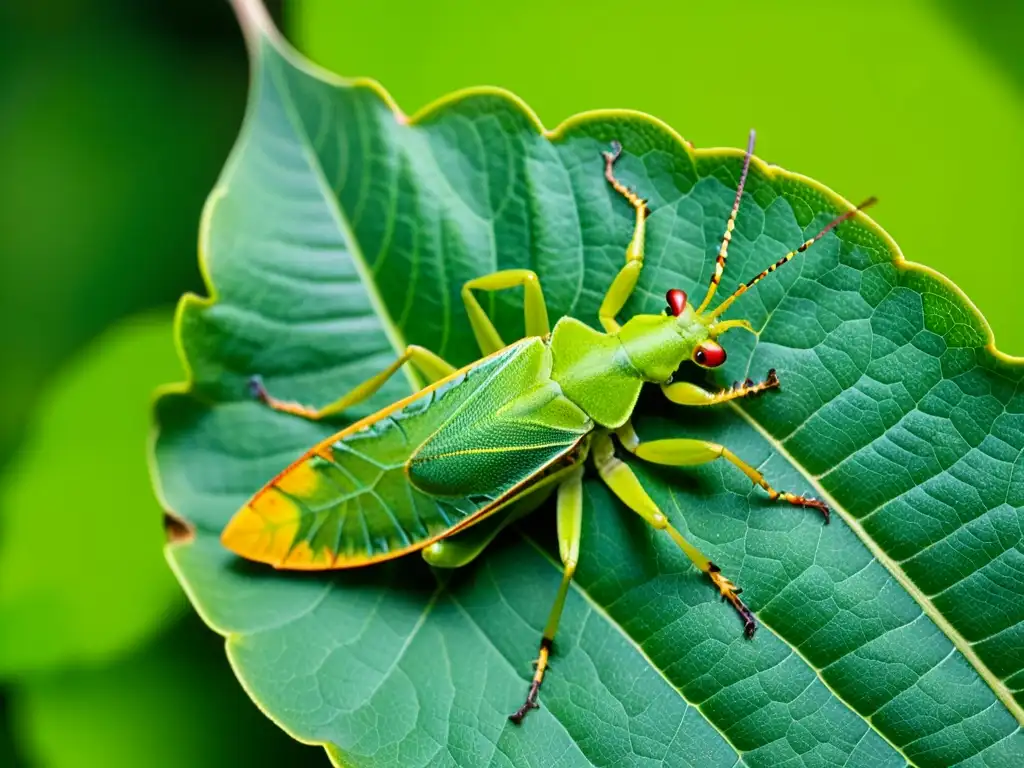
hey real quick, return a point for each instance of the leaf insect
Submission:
(444, 470)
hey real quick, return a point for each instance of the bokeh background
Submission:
(115, 119)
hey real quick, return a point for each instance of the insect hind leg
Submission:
(570, 526)
(624, 483)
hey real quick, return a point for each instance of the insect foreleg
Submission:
(534, 308)
(426, 362)
(686, 393)
(624, 283)
(682, 452)
(624, 483)
(570, 526)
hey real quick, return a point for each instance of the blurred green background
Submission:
(115, 119)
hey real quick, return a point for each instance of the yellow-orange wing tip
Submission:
(264, 530)
(260, 532)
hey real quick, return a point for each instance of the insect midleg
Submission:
(426, 362)
(684, 452)
(685, 393)
(624, 483)
(535, 309)
(463, 547)
(624, 283)
(570, 526)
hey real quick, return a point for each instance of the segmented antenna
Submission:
(723, 252)
(803, 247)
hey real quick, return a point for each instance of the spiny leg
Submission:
(570, 526)
(534, 308)
(685, 393)
(624, 483)
(426, 362)
(624, 283)
(683, 452)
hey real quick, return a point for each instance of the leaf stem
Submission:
(255, 22)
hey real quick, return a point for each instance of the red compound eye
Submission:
(676, 302)
(709, 354)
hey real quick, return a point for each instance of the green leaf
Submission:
(80, 571)
(341, 230)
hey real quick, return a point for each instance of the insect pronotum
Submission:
(444, 470)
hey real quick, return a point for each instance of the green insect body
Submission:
(443, 471)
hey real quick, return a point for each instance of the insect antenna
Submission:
(803, 247)
(723, 251)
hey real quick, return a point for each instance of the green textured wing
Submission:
(465, 443)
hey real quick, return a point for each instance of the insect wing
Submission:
(357, 498)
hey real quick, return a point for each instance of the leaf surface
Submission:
(342, 230)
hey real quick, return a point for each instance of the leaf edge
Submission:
(258, 29)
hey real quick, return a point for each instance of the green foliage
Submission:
(81, 576)
(99, 180)
(338, 233)
(169, 704)
(116, 119)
